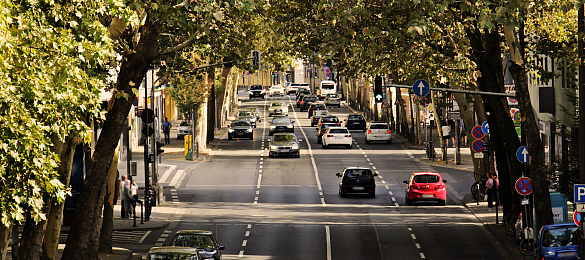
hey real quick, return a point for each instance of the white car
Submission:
(276, 90)
(278, 108)
(378, 132)
(337, 136)
(333, 100)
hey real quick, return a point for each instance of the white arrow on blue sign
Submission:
(522, 154)
(485, 127)
(421, 88)
(579, 193)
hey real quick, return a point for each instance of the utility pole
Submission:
(581, 30)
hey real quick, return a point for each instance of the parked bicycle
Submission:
(478, 191)
(526, 245)
(509, 220)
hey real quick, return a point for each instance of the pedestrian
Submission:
(446, 129)
(166, 126)
(463, 133)
(134, 193)
(123, 197)
(452, 132)
(489, 188)
(128, 200)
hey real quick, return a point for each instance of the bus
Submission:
(327, 87)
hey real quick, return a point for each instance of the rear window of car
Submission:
(244, 113)
(276, 104)
(281, 120)
(240, 123)
(311, 99)
(338, 131)
(378, 126)
(184, 123)
(255, 87)
(356, 117)
(330, 119)
(358, 173)
(325, 126)
(426, 178)
(559, 237)
(322, 113)
(328, 86)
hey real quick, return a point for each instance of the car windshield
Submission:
(276, 104)
(255, 87)
(338, 131)
(240, 123)
(561, 236)
(245, 113)
(184, 123)
(332, 95)
(173, 256)
(281, 120)
(426, 178)
(328, 86)
(199, 241)
(378, 126)
(284, 138)
(356, 117)
(358, 174)
(330, 119)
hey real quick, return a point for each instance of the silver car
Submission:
(378, 132)
(284, 144)
(249, 116)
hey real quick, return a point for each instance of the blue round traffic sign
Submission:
(522, 154)
(477, 132)
(523, 186)
(485, 128)
(421, 88)
(477, 146)
(577, 217)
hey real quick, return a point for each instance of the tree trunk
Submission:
(82, 241)
(32, 236)
(55, 217)
(211, 105)
(5, 233)
(105, 245)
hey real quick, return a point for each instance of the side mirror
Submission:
(375, 174)
(444, 181)
(405, 182)
(338, 174)
(300, 140)
(221, 248)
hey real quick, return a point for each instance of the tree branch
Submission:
(184, 44)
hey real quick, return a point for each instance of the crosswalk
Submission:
(126, 236)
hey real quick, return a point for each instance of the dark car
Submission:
(357, 180)
(284, 144)
(307, 101)
(241, 129)
(256, 112)
(302, 91)
(203, 240)
(173, 253)
(281, 124)
(558, 241)
(257, 91)
(317, 116)
(314, 107)
(321, 129)
(329, 119)
(355, 122)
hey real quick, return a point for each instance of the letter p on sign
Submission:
(579, 193)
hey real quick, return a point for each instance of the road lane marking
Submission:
(145, 235)
(177, 178)
(249, 226)
(167, 173)
(259, 181)
(241, 254)
(245, 242)
(328, 238)
(417, 245)
(393, 199)
(247, 233)
(257, 192)
(422, 255)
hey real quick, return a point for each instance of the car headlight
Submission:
(273, 147)
(271, 110)
(272, 127)
(207, 254)
(289, 126)
(249, 130)
(295, 147)
(231, 130)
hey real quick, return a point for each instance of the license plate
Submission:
(358, 188)
(339, 137)
(284, 151)
(428, 196)
(568, 254)
(240, 133)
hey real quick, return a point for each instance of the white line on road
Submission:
(178, 176)
(167, 173)
(389, 192)
(393, 199)
(244, 242)
(422, 255)
(241, 254)
(413, 236)
(328, 238)
(247, 233)
(417, 245)
(144, 237)
(259, 180)
(257, 192)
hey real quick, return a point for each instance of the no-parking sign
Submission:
(477, 132)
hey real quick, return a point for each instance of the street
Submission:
(290, 208)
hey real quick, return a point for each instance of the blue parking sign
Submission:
(579, 193)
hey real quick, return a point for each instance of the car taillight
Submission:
(347, 135)
(320, 123)
(303, 102)
(439, 186)
(369, 131)
(388, 131)
(329, 135)
(338, 123)
(324, 108)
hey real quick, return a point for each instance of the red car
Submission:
(426, 186)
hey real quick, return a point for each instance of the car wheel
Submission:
(270, 155)
(270, 133)
(408, 202)
(389, 141)
(229, 137)
(341, 193)
(367, 142)
(323, 145)
(298, 155)
(350, 146)
(442, 203)
(252, 137)
(373, 194)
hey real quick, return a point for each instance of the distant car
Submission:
(558, 241)
(278, 108)
(314, 107)
(357, 180)
(256, 112)
(276, 90)
(257, 91)
(317, 115)
(290, 87)
(281, 124)
(355, 122)
(304, 86)
(306, 101)
(303, 91)
(183, 129)
(174, 253)
(240, 129)
(329, 119)
(247, 115)
(333, 100)
(378, 132)
(204, 241)
(336, 136)
(425, 186)
(284, 144)
(322, 128)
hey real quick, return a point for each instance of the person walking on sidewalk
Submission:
(491, 187)
(123, 197)
(463, 133)
(166, 126)
(446, 129)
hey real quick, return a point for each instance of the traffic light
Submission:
(256, 58)
(158, 146)
(378, 95)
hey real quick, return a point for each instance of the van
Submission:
(326, 87)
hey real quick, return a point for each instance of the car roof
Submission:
(378, 123)
(172, 249)
(284, 134)
(240, 120)
(552, 226)
(357, 168)
(426, 173)
(339, 127)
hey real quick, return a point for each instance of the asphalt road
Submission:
(289, 208)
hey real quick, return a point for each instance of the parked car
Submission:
(333, 100)
(355, 122)
(317, 115)
(329, 119)
(256, 112)
(240, 129)
(321, 130)
(558, 241)
(173, 253)
(247, 115)
(357, 180)
(257, 91)
(276, 90)
(204, 241)
(284, 144)
(314, 107)
(183, 129)
(425, 186)
(281, 124)
(378, 131)
(278, 108)
(306, 101)
(337, 136)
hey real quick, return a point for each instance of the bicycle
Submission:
(526, 245)
(478, 191)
